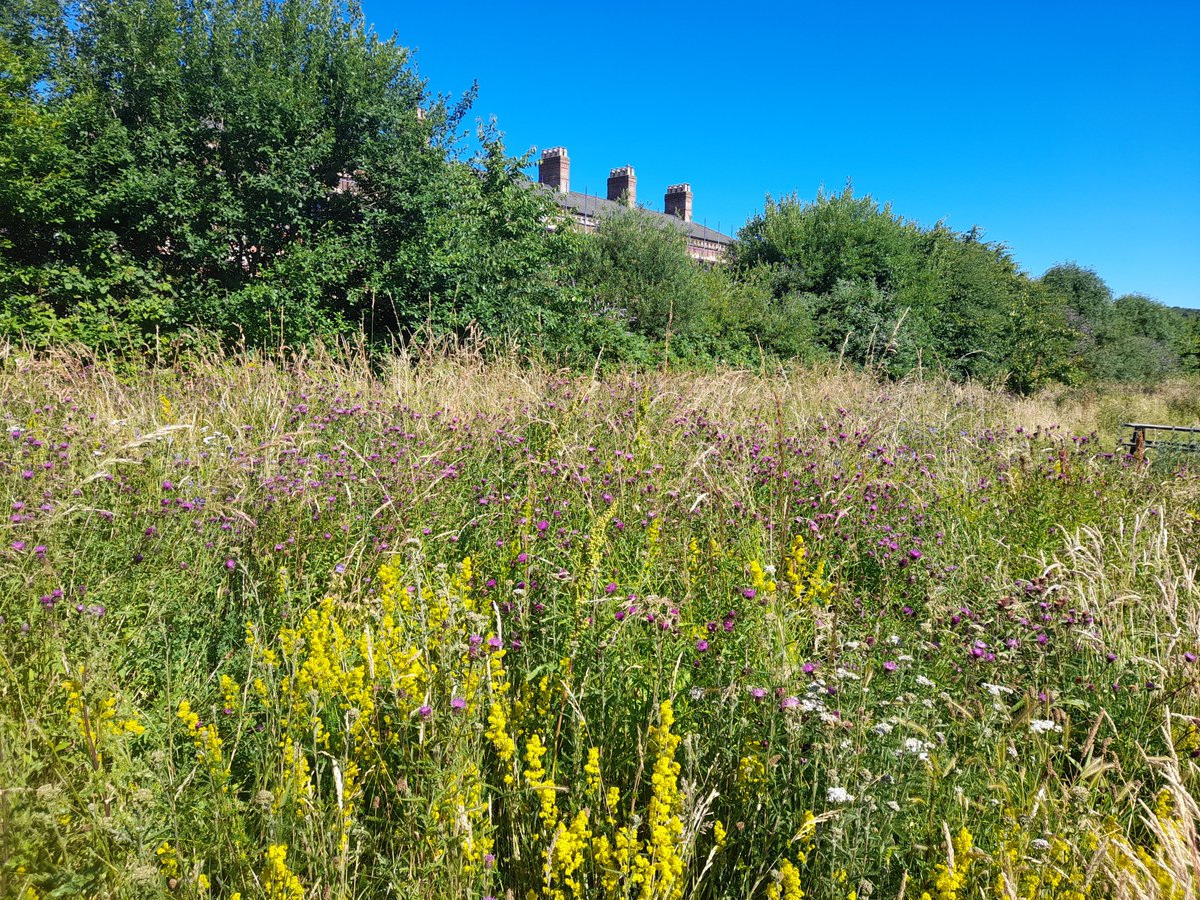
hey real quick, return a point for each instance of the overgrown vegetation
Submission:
(284, 625)
(275, 173)
(287, 629)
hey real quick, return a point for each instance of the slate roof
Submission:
(593, 207)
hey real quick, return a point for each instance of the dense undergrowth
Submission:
(467, 630)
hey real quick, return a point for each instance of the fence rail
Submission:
(1179, 438)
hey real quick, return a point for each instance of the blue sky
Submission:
(1067, 131)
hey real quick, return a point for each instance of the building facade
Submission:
(554, 174)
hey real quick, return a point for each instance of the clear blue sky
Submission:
(1067, 131)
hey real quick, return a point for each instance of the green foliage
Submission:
(636, 268)
(1085, 293)
(504, 274)
(274, 171)
(1140, 340)
(1132, 338)
(1038, 340)
(1188, 339)
(650, 301)
(888, 294)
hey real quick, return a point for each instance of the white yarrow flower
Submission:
(838, 795)
(1041, 726)
(918, 748)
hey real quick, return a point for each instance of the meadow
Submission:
(305, 629)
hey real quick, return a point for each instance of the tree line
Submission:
(275, 172)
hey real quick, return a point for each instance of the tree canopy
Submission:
(273, 168)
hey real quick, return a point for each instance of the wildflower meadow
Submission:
(306, 628)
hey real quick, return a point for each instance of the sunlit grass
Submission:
(468, 629)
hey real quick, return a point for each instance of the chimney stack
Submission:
(678, 201)
(622, 186)
(554, 169)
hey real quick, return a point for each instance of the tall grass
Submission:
(295, 628)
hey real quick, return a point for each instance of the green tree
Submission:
(1085, 292)
(273, 169)
(635, 275)
(36, 164)
(1187, 342)
(1139, 341)
(887, 293)
(1088, 304)
(1038, 342)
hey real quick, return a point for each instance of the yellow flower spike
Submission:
(612, 801)
(592, 768)
(786, 885)
(206, 740)
(1164, 805)
(664, 867)
(720, 835)
(168, 859)
(497, 732)
(279, 882)
(535, 775)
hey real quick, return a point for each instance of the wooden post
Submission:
(1139, 444)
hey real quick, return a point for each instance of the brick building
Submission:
(554, 173)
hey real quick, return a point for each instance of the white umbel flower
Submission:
(838, 795)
